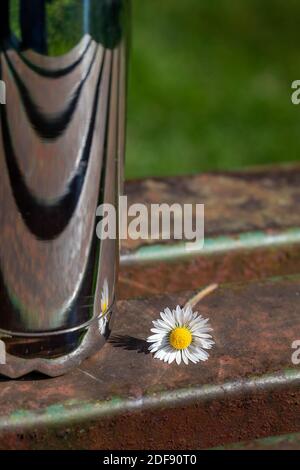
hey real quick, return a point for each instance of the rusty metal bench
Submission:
(248, 390)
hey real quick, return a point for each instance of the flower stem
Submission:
(203, 293)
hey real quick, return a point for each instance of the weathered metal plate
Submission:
(252, 231)
(123, 398)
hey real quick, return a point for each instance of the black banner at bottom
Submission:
(134, 459)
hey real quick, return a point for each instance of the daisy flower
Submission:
(180, 335)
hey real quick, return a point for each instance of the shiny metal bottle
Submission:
(62, 139)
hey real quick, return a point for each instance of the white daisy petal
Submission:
(178, 357)
(200, 329)
(189, 312)
(168, 320)
(207, 344)
(201, 335)
(198, 323)
(184, 357)
(157, 354)
(190, 356)
(153, 339)
(172, 357)
(159, 331)
(163, 326)
(159, 335)
(203, 343)
(185, 316)
(169, 316)
(199, 353)
(168, 355)
(179, 315)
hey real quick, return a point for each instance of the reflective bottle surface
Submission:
(62, 137)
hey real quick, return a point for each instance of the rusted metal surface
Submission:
(123, 398)
(252, 231)
(175, 276)
(235, 202)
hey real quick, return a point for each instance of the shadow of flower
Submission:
(130, 343)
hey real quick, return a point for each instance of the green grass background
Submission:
(210, 85)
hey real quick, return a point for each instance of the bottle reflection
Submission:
(62, 131)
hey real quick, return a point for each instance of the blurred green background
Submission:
(210, 81)
(210, 85)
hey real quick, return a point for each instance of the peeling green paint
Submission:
(81, 411)
(212, 246)
(264, 443)
(19, 415)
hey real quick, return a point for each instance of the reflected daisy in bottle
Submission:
(104, 307)
(181, 335)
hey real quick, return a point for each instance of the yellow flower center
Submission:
(104, 307)
(180, 338)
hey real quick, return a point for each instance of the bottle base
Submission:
(53, 355)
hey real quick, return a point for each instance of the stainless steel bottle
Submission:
(62, 138)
